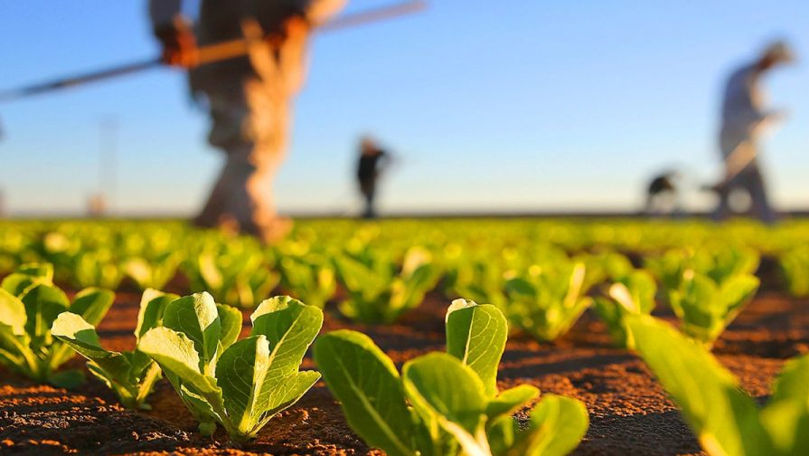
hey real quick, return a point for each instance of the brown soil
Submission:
(629, 412)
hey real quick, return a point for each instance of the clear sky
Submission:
(508, 105)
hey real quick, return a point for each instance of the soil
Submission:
(629, 412)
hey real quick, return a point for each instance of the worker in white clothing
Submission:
(744, 119)
(249, 98)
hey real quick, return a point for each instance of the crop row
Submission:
(376, 273)
(440, 403)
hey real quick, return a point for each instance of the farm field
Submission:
(580, 345)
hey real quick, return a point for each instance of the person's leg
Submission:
(723, 208)
(228, 112)
(727, 144)
(251, 124)
(650, 204)
(370, 193)
(760, 205)
(251, 166)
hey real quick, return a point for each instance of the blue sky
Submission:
(506, 105)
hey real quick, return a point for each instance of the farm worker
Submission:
(249, 98)
(662, 194)
(372, 161)
(744, 119)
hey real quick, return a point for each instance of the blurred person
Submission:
(249, 98)
(662, 195)
(744, 120)
(372, 161)
(96, 205)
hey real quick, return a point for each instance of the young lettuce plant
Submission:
(706, 308)
(240, 385)
(631, 294)
(29, 304)
(795, 269)
(547, 300)
(603, 266)
(725, 420)
(238, 276)
(153, 273)
(376, 295)
(132, 374)
(717, 262)
(97, 268)
(446, 403)
(310, 279)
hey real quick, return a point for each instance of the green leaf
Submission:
(196, 316)
(240, 372)
(736, 291)
(231, 320)
(290, 327)
(280, 393)
(82, 337)
(12, 312)
(42, 271)
(365, 381)
(642, 288)
(476, 334)
(447, 392)
(724, 419)
(27, 275)
(786, 416)
(510, 401)
(175, 353)
(92, 304)
(150, 314)
(43, 303)
(556, 427)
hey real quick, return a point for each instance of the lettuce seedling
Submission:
(546, 301)
(240, 385)
(706, 308)
(631, 294)
(446, 403)
(153, 273)
(310, 279)
(377, 295)
(478, 280)
(97, 268)
(718, 262)
(726, 420)
(132, 374)
(603, 266)
(795, 269)
(29, 304)
(239, 277)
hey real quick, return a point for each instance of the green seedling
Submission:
(312, 280)
(795, 269)
(29, 304)
(706, 308)
(725, 419)
(238, 276)
(377, 294)
(239, 384)
(446, 403)
(547, 301)
(132, 374)
(717, 262)
(152, 273)
(632, 294)
(97, 268)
